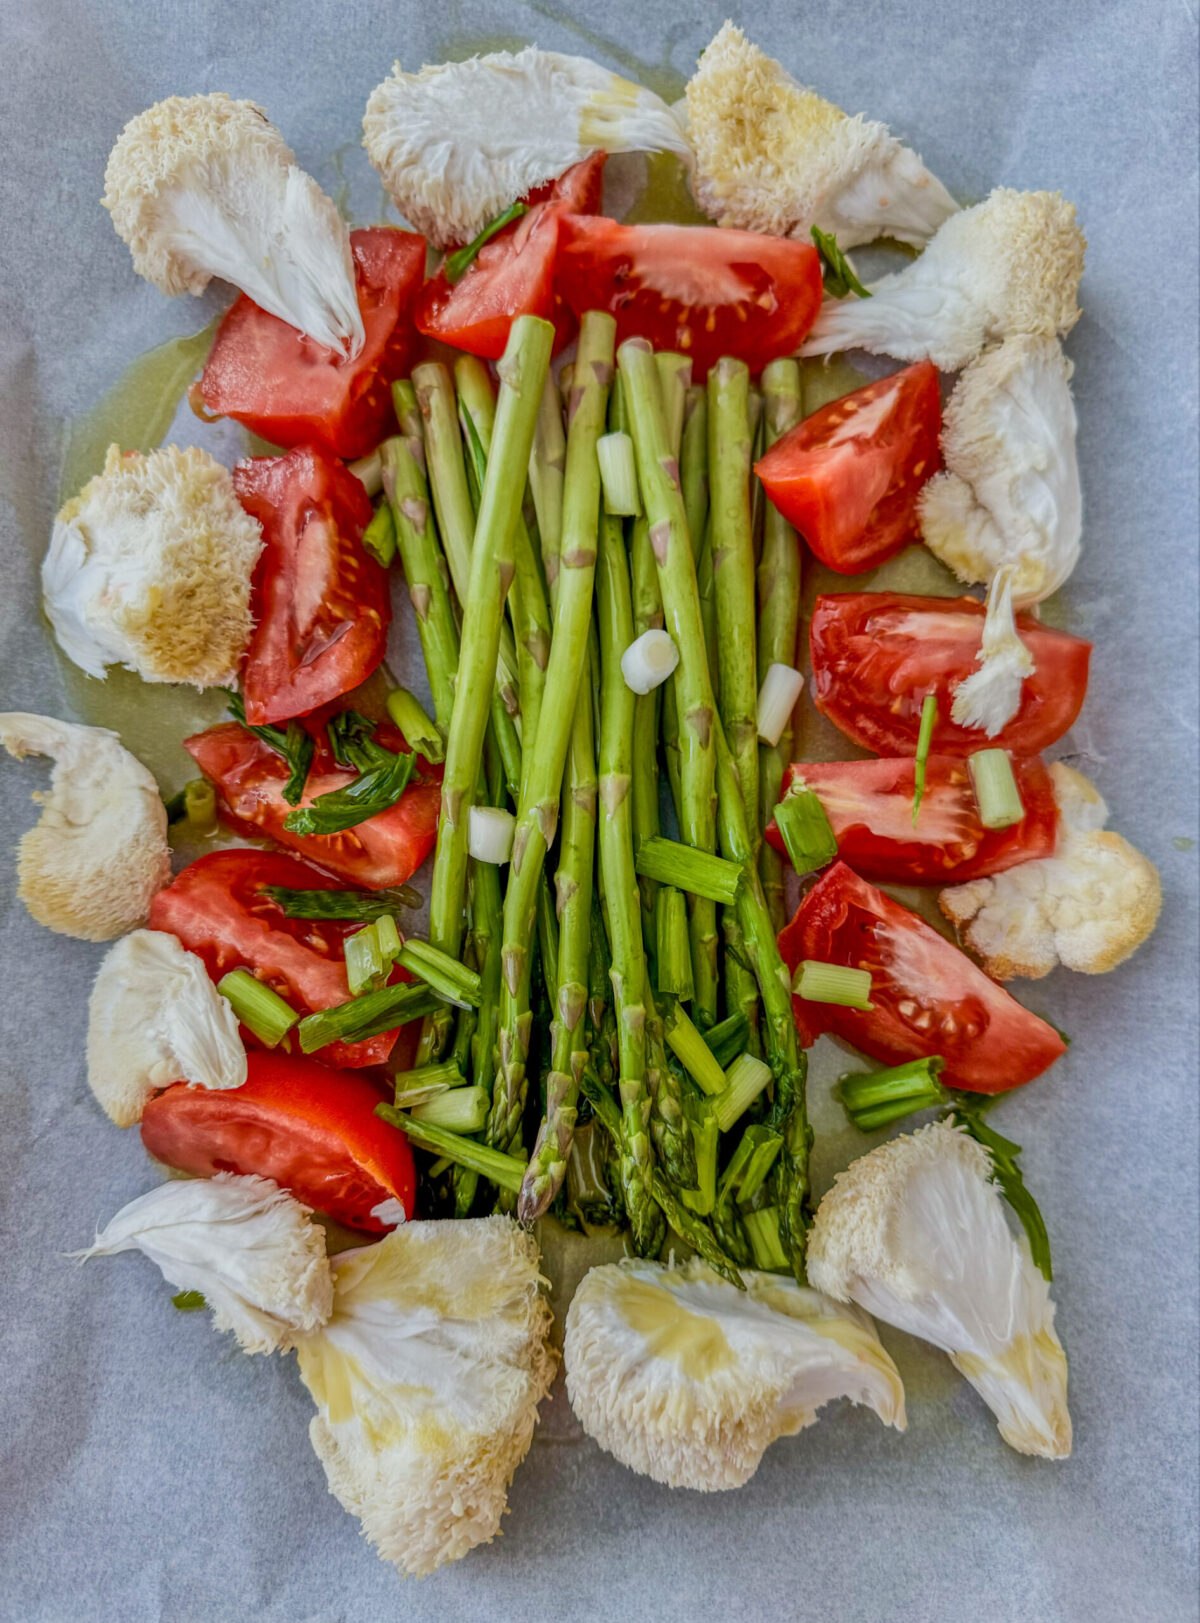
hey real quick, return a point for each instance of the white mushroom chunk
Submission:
(1088, 907)
(1009, 265)
(686, 1379)
(459, 142)
(915, 1233)
(204, 186)
(991, 696)
(242, 1243)
(772, 156)
(150, 567)
(155, 1017)
(427, 1380)
(98, 855)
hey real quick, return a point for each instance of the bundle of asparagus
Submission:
(632, 976)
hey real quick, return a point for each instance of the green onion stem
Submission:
(996, 792)
(342, 904)
(505, 1171)
(461, 1110)
(674, 960)
(420, 731)
(259, 1009)
(929, 712)
(744, 1081)
(693, 1053)
(460, 261)
(806, 830)
(833, 983)
(452, 981)
(366, 1016)
(700, 873)
(728, 1039)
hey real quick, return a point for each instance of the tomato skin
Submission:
(848, 477)
(513, 274)
(869, 806)
(217, 909)
(292, 390)
(929, 998)
(876, 656)
(703, 292)
(313, 1130)
(321, 603)
(249, 778)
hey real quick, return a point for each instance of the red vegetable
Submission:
(321, 602)
(249, 777)
(313, 1130)
(869, 805)
(218, 909)
(877, 655)
(690, 288)
(293, 391)
(848, 476)
(928, 997)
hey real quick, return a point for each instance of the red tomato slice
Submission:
(292, 390)
(313, 1130)
(513, 274)
(218, 909)
(695, 289)
(869, 805)
(929, 998)
(249, 777)
(877, 655)
(848, 476)
(321, 602)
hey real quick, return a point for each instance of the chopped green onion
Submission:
(436, 1168)
(195, 804)
(368, 470)
(258, 1008)
(777, 698)
(761, 1150)
(744, 1081)
(674, 380)
(929, 713)
(379, 537)
(372, 792)
(420, 732)
(766, 1242)
(618, 475)
(295, 745)
(1008, 1175)
(833, 983)
(649, 660)
(189, 1301)
(702, 1121)
(457, 263)
(389, 938)
(674, 951)
(698, 872)
(490, 834)
(452, 981)
(351, 738)
(728, 1038)
(342, 904)
(807, 833)
(693, 1053)
(427, 1081)
(995, 787)
(874, 1099)
(364, 961)
(461, 1110)
(366, 1016)
(505, 1171)
(836, 269)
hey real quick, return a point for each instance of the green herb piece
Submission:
(996, 792)
(379, 537)
(367, 1016)
(833, 983)
(701, 873)
(744, 1081)
(294, 744)
(929, 711)
(372, 792)
(806, 830)
(836, 269)
(342, 904)
(259, 1009)
(420, 732)
(505, 1171)
(189, 1301)
(459, 262)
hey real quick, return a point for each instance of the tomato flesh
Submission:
(928, 997)
(513, 274)
(689, 288)
(313, 1130)
(869, 806)
(218, 909)
(292, 390)
(848, 477)
(321, 603)
(876, 656)
(249, 778)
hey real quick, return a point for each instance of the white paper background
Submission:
(151, 1472)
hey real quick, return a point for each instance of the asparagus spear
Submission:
(674, 376)
(778, 616)
(658, 472)
(537, 813)
(669, 1128)
(547, 465)
(523, 372)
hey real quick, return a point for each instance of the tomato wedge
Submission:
(877, 655)
(513, 274)
(219, 910)
(705, 293)
(848, 477)
(249, 777)
(869, 806)
(292, 390)
(321, 602)
(929, 998)
(313, 1130)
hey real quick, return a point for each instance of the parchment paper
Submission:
(151, 1471)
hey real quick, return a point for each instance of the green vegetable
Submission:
(929, 711)
(618, 474)
(807, 834)
(293, 743)
(547, 472)
(728, 1039)
(995, 787)
(505, 1171)
(189, 1301)
(259, 1009)
(836, 269)
(342, 904)
(389, 938)
(674, 959)
(457, 263)
(744, 1081)
(669, 1129)
(420, 733)
(372, 792)
(452, 981)
(693, 1053)
(874, 1099)
(364, 960)
(833, 983)
(766, 1241)
(366, 1016)
(195, 804)
(700, 873)
(705, 1138)
(461, 1110)
(379, 537)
